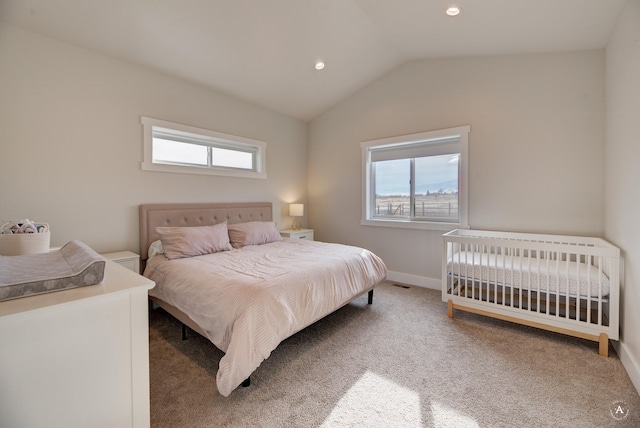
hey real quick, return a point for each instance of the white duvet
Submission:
(250, 299)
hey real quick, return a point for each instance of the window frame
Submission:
(457, 135)
(183, 133)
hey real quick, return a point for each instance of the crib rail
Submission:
(564, 282)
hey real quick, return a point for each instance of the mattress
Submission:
(73, 265)
(525, 273)
(248, 300)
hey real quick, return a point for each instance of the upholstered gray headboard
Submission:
(198, 214)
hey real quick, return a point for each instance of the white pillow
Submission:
(155, 249)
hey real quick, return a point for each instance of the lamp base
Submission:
(296, 224)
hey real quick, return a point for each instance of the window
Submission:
(172, 147)
(417, 181)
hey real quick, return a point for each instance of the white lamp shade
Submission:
(296, 210)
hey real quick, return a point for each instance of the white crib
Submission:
(565, 284)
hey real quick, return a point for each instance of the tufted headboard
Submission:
(198, 214)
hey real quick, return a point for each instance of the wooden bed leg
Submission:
(604, 345)
(184, 332)
(246, 382)
(450, 308)
(370, 297)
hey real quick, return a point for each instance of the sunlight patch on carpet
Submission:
(446, 417)
(376, 401)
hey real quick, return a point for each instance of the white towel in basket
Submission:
(23, 226)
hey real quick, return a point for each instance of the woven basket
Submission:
(18, 244)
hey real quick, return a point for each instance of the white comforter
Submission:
(248, 300)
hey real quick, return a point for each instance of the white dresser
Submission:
(79, 357)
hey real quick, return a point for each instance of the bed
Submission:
(255, 290)
(565, 284)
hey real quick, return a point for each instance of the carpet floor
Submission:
(400, 362)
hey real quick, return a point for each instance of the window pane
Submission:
(436, 189)
(168, 151)
(392, 188)
(232, 158)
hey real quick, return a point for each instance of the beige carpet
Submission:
(397, 363)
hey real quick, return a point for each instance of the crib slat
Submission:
(520, 278)
(538, 279)
(547, 285)
(579, 286)
(589, 290)
(495, 262)
(480, 263)
(468, 276)
(505, 253)
(512, 268)
(600, 290)
(557, 280)
(462, 281)
(567, 294)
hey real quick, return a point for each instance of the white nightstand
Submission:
(128, 259)
(298, 234)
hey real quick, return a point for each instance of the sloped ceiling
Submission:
(264, 51)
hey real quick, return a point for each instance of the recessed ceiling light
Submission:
(319, 65)
(453, 11)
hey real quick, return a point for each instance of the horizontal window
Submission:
(416, 181)
(173, 147)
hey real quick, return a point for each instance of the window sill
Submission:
(202, 171)
(407, 224)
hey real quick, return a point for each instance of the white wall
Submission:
(622, 204)
(535, 148)
(71, 142)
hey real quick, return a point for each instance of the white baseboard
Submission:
(418, 281)
(630, 363)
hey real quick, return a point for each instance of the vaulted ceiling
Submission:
(264, 51)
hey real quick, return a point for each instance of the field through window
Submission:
(435, 206)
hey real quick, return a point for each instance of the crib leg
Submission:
(450, 308)
(604, 345)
